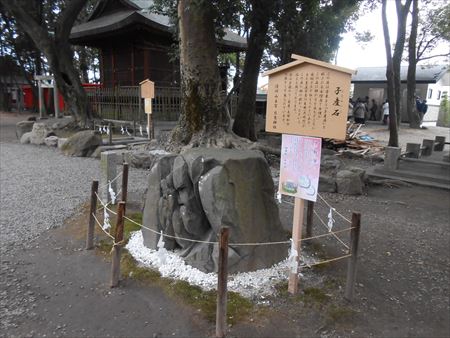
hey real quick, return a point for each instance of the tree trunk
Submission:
(414, 118)
(393, 131)
(83, 60)
(244, 124)
(203, 116)
(402, 13)
(58, 53)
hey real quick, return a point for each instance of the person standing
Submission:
(385, 112)
(350, 110)
(373, 111)
(360, 111)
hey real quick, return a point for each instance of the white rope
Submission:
(326, 261)
(111, 181)
(331, 233)
(101, 227)
(337, 212)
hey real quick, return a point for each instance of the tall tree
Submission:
(413, 114)
(309, 27)
(260, 15)
(203, 120)
(425, 36)
(393, 65)
(56, 48)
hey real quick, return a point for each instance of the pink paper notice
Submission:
(300, 166)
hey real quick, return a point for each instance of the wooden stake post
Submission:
(91, 225)
(222, 275)
(351, 269)
(125, 182)
(296, 238)
(117, 248)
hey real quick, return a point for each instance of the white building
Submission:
(432, 84)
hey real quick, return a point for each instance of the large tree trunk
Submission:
(58, 53)
(203, 117)
(393, 131)
(244, 124)
(402, 13)
(414, 118)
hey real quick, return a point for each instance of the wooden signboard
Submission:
(308, 97)
(147, 89)
(148, 93)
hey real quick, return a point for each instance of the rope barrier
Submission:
(333, 233)
(103, 205)
(337, 212)
(100, 225)
(106, 184)
(327, 261)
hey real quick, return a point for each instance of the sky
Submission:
(353, 55)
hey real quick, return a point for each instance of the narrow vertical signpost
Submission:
(306, 99)
(92, 210)
(148, 93)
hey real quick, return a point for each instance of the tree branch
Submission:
(432, 57)
(67, 18)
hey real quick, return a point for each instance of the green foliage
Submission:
(308, 27)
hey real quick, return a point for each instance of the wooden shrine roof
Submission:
(128, 13)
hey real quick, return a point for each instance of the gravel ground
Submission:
(39, 189)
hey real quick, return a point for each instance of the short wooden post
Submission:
(92, 210)
(117, 247)
(309, 218)
(124, 182)
(110, 133)
(351, 268)
(222, 276)
(296, 238)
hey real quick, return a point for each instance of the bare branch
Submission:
(68, 17)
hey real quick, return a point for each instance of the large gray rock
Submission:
(327, 183)
(145, 159)
(51, 141)
(25, 139)
(23, 127)
(61, 142)
(349, 182)
(330, 163)
(82, 144)
(194, 194)
(39, 132)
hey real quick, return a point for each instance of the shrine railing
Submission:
(125, 104)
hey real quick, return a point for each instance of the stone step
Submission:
(429, 180)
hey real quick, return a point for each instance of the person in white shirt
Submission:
(385, 112)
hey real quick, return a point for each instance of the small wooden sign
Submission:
(147, 89)
(148, 105)
(308, 97)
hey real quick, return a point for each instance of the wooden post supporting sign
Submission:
(148, 93)
(296, 238)
(222, 275)
(309, 218)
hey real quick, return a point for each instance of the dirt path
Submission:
(402, 282)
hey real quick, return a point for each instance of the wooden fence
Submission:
(125, 104)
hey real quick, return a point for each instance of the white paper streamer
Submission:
(330, 220)
(122, 131)
(292, 259)
(100, 129)
(126, 130)
(112, 194)
(106, 223)
(140, 131)
(107, 130)
(148, 131)
(162, 252)
(279, 197)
